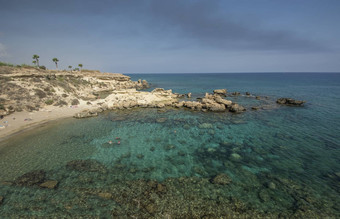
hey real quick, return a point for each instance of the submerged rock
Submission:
(235, 108)
(235, 157)
(205, 126)
(1, 199)
(140, 156)
(290, 102)
(50, 184)
(221, 179)
(31, 178)
(161, 120)
(86, 165)
(105, 195)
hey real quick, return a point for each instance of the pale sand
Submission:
(19, 121)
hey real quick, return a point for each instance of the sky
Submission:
(174, 36)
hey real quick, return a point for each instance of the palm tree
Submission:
(81, 66)
(36, 57)
(34, 62)
(70, 67)
(55, 60)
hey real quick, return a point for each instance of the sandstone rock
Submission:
(215, 107)
(86, 165)
(221, 92)
(50, 184)
(85, 114)
(31, 178)
(290, 102)
(189, 95)
(220, 100)
(145, 84)
(160, 105)
(207, 100)
(221, 179)
(235, 108)
(179, 105)
(192, 105)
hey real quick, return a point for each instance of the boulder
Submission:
(248, 93)
(189, 95)
(192, 105)
(235, 93)
(50, 184)
(235, 108)
(221, 179)
(290, 102)
(31, 178)
(145, 84)
(220, 100)
(179, 105)
(215, 107)
(222, 92)
(85, 113)
(206, 100)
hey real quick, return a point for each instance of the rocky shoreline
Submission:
(87, 93)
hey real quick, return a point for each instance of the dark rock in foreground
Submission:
(290, 102)
(31, 178)
(86, 165)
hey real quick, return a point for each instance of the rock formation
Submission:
(290, 102)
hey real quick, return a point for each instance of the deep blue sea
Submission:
(279, 161)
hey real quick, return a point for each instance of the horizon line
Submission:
(303, 72)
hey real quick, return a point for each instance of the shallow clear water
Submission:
(282, 161)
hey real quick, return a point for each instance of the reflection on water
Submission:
(174, 163)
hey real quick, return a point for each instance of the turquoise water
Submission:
(280, 161)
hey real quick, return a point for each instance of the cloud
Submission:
(3, 52)
(195, 23)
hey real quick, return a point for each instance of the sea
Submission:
(275, 162)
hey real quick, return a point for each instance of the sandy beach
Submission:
(20, 121)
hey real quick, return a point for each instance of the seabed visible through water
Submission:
(171, 164)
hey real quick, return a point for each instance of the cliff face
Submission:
(30, 88)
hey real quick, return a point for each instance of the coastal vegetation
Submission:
(36, 59)
(55, 60)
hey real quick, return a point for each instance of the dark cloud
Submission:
(204, 23)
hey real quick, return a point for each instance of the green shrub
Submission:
(6, 64)
(42, 67)
(49, 102)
